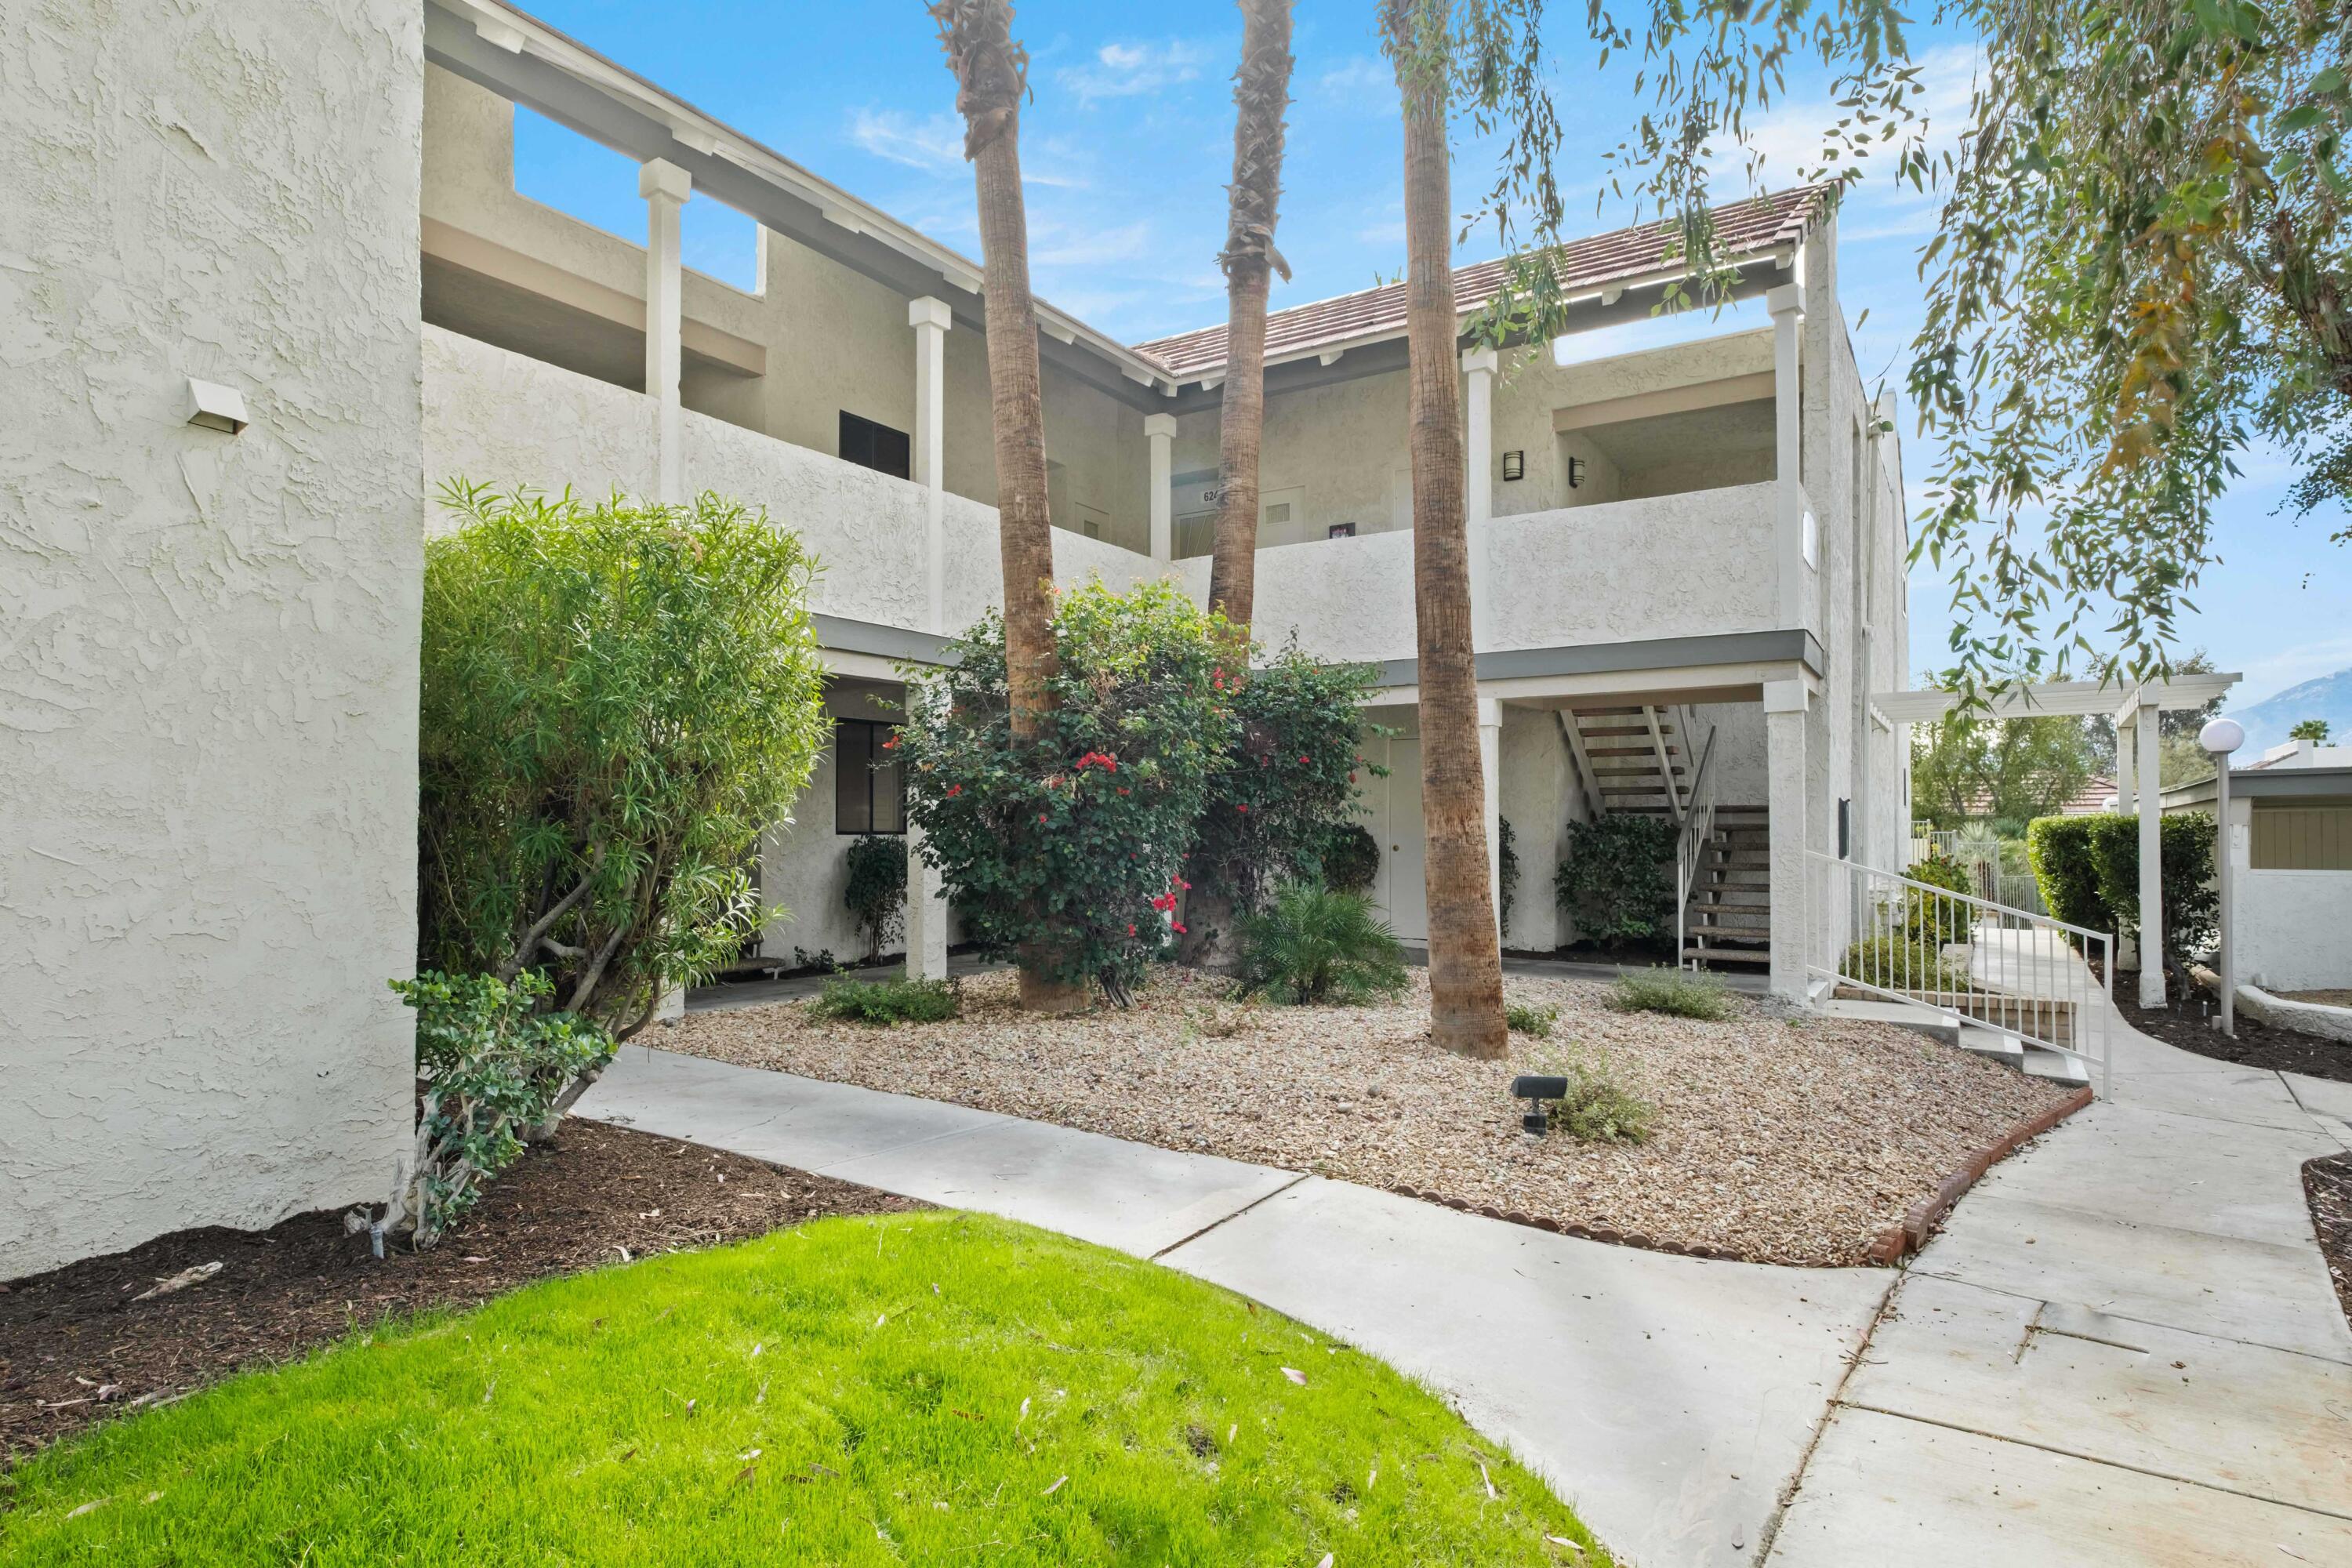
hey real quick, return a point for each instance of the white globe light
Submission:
(2221, 736)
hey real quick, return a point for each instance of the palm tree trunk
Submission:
(991, 77)
(1260, 94)
(1466, 971)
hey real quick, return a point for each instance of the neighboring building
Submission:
(2302, 754)
(1688, 562)
(2290, 846)
(2097, 795)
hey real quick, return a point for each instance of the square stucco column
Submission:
(2126, 772)
(1160, 429)
(1478, 485)
(930, 319)
(926, 911)
(1793, 523)
(666, 187)
(2151, 861)
(1785, 702)
(1490, 775)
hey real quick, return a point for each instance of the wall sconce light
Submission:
(1515, 465)
(215, 407)
(1575, 473)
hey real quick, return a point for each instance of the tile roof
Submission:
(1745, 228)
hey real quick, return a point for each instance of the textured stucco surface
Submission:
(208, 687)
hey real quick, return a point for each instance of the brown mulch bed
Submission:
(1778, 1139)
(2327, 1182)
(74, 1347)
(2182, 1023)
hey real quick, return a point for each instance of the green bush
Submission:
(1352, 859)
(886, 1002)
(1597, 1109)
(1525, 1018)
(1903, 960)
(1311, 945)
(1680, 994)
(1065, 847)
(2185, 863)
(1934, 919)
(875, 895)
(2066, 872)
(1507, 874)
(491, 1067)
(1613, 879)
(616, 699)
(1287, 780)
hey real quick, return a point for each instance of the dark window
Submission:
(873, 446)
(870, 794)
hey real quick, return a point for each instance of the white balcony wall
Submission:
(1681, 566)
(506, 420)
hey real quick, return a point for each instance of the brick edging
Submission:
(1909, 1235)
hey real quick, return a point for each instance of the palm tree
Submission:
(1260, 94)
(992, 78)
(1465, 969)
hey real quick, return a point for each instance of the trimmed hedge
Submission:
(2088, 870)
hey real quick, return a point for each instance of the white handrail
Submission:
(2016, 972)
(1697, 827)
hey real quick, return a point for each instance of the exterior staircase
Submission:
(1729, 916)
(1634, 760)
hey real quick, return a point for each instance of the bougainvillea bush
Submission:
(1288, 786)
(1067, 848)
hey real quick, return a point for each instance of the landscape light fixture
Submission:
(1536, 1090)
(2220, 737)
(1515, 466)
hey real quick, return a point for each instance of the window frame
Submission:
(868, 433)
(872, 732)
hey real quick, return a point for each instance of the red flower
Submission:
(1130, 930)
(1243, 808)
(1303, 762)
(890, 743)
(1122, 789)
(1041, 817)
(1352, 778)
(1176, 926)
(954, 790)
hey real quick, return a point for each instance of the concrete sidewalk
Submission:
(2123, 1349)
(1666, 1398)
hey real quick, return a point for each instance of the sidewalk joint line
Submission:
(1796, 1481)
(1228, 1219)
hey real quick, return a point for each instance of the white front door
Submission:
(1404, 893)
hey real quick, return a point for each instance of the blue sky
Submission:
(1126, 149)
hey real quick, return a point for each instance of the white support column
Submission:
(1788, 817)
(2151, 862)
(1160, 429)
(927, 913)
(2127, 796)
(930, 319)
(1490, 774)
(666, 187)
(1787, 303)
(1478, 486)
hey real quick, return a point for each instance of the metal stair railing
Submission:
(1690, 843)
(2040, 980)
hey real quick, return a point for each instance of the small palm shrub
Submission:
(1597, 1109)
(886, 1002)
(1673, 992)
(1903, 960)
(1310, 944)
(1525, 1018)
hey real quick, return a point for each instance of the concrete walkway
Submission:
(1665, 1398)
(2123, 1348)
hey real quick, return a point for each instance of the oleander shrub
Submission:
(1677, 993)
(1614, 879)
(1310, 944)
(1352, 859)
(1065, 849)
(490, 1065)
(886, 1002)
(617, 699)
(875, 892)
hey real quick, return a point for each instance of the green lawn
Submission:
(934, 1388)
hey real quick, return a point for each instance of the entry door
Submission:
(1403, 892)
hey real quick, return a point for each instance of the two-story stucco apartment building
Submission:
(265, 281)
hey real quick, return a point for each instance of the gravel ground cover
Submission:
(1779, 1138)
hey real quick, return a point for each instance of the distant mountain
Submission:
(2267, 722)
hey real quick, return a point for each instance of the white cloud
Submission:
(1125, 70)
(1061, 246)
(935, 144)
(1362, 82)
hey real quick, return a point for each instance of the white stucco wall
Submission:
(2290, 929)
(803, 865)
(208, 700)
(508, 421)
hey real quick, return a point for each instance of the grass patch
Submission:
(920, 1388)
(1525, 1018)
(886, 1002)
(1677, 993)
